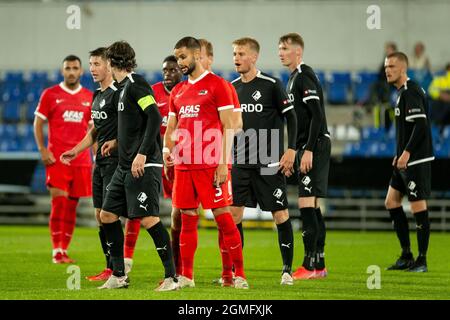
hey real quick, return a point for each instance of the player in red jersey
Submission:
(198, 142)
(66, 108)
(207, 59)
(161, 90)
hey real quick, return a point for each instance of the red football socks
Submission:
(188, 243)
(132, 228)
(56, 220)
(227, 263)
(68, 222)
(232, 241)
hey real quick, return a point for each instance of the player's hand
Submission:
(220, 175)
(137, 167)
(168, 159)
(402, 162)
(169, 174)
(394, 161)
(306, 162)
(108, 147)
(68, 156)
(287, 162)
(47, 157)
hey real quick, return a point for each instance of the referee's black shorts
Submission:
(315, 182)
(134, 197)
(101, 177)
(250, 188)
(415, 181)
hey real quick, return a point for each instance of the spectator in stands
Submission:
(439, 92)
(380, 92)
(419, 61)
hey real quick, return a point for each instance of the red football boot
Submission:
(102, 276)
(303, 274)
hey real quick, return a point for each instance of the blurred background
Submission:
(345, 42)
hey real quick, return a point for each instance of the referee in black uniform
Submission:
(260, 164)
(313, 143)
(412, 164)
(135, 186)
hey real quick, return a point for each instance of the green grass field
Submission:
(26, 270)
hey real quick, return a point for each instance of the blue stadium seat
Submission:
(87, 82)
(55, 78)
(442, 150)
(39, 78)
(435, 134)
(284, 76)
(373, 134)
(362, 84)
(11, 112)
(14, 77)
(232, 75)
(8, 131)
(338, 88)
(32, 93)
(321, 76)
(30, 109)
(11, 93)
(422, 77)
(446, 133)
(38, 181)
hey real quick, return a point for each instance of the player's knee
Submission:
(307, 202)
(108, 217)
(237, 213)
(280, 216)
(391, 203)
(418, 206)
(176, 219)
(148, 222)
(55, 192)
(97, 216)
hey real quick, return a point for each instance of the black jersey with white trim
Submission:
(411, 111)
(104, 115)
(305, 92)
(135, 97)
(263, 102)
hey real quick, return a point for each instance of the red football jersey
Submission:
(161, 95)
(68, 114)
(196, 105)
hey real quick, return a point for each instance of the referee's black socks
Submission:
(310, 229)
(321, 235)
(161, 239)
(286, 243)
(423, 232)
(400, 223)
(114, 241)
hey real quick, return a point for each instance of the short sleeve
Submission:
(281, 98)
(43, 107)
(234, 95)
(223, 96)
(414, 106)
(309, 89)
(142, 93)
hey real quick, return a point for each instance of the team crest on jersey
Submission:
(203, 92)
(73, 116)
(85, 103)
(142, 197)
(256, 95)
(102, 103)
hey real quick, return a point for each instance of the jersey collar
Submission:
(405, 85)
(299, 68)
(204, 74)
(63, 86)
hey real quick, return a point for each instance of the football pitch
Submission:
(27, 272)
